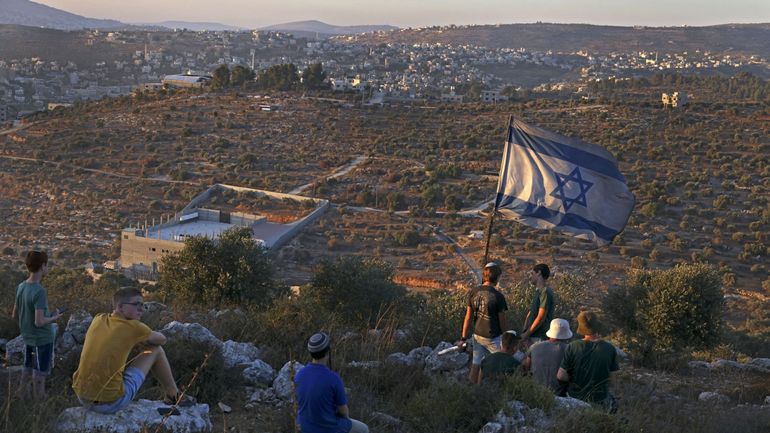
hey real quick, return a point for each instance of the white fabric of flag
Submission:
(554, 182)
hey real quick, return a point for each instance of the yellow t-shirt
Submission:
(109, 340)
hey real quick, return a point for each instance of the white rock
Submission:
(492, 427)
(236, 353)
(264, 396)
(14, 351)
(153, 307)
(258, 373)
(767, 401)
(283, 385)
(713, 397)
(512, 417)
(449, 362)
(364, 364)
(75, 332)
(570, 403)
(761, 363)
(193, 332)
(139, 416)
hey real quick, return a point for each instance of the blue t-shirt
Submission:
(319, 392)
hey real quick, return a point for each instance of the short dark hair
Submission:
(542, 269)
(35, 260)
(321, 354)
(510, 338)
(123, 294)
(492, 273)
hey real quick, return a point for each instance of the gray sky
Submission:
(414, 13)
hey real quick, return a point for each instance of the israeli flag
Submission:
(554, 182)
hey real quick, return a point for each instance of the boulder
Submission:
(139, 416)
(570, 403)
(398, 358)
(761, 363)
(448, 362)
(236, 353)
(417, 356)
(264, 396)
(364, 364)
(191, 332)
(756, 365)
(283, 385)
(14, 351)
(713, 398)
(75, 333)
(492, 427)
(258, 372)
(513, 416)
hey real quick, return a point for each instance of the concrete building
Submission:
(142, 247)
(492, 96)
(185, 80)
(674, 100)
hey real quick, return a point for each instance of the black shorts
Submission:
(39, 358)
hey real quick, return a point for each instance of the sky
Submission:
(417, 13)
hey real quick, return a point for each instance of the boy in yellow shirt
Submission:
(106, 381)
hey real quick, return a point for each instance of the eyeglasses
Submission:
(139, 305)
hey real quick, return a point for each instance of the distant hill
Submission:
(27, 13)
(310, 28)
(738, 38)
(195, 26)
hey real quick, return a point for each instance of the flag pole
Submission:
(494, 209)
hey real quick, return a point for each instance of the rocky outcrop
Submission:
(14, 351)
(138, 417)
(713, 398)
(258, 373)
(236, 353)
(74, 336)
(191, 332)
(283, 385)
(756, 365)
(447, 362)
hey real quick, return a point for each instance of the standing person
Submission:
(541, 311)
(104, 381)
(502, 363)
(37, 326)
(587, 364)
(322, 402)
(544, 357)
(486, 307)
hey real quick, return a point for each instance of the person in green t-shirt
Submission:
(36, 325)
(541, 312)
(587, 364)
(502, 363)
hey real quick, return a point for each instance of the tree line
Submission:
(285, 76)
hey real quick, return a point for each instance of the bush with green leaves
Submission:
(658, 311)
(359, 289)
(232, 270)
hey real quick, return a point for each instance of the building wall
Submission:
(139, 250)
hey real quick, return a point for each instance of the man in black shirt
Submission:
(486, 308)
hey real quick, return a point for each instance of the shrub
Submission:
(186, 359)
(445, 406)
(663, 310)
(361, 288)
(230, 271)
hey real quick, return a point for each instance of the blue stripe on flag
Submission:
(559, 219)
(567, 153)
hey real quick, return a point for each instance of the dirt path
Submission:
(338, 172)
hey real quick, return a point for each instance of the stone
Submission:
(235, 353)
(492, 427)
(752, 366)
(767, 401)
(417, 356)
(258, 372)
(699, 364)
(761, 363)
(264, 396)
(448, 362)
(713, 398)
(283, 385)
(14, 351)
(398, 358)
(192, 332)
(570, 403)
(139, 416)
(364, 364)
(74, 335)
(154, 307)
(512, 417)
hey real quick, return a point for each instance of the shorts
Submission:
(133, 378)
(39, 359)
(483, 346)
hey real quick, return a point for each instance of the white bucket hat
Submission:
(559, 330)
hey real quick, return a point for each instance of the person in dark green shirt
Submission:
(502, 363)
(587, 364)
(36, 325)
(541, 312)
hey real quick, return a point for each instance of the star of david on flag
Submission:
(554, 182)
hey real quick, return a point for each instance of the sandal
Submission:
(180, 400)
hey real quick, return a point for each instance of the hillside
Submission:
(310, 28)
(737, 38)
(28, 13)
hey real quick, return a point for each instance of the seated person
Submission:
(505, 362)
(544, 357)
(103, 382)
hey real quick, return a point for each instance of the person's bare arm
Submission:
(562, 375)
(525, 320)
(156, 339)
(41, 320)
(13, 314)
(467, 322)
(343, 411)
(526, 363)
(535, 323)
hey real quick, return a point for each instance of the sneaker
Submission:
(180, 400)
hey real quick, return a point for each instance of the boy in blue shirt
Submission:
(36, 325)
(322, 403)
